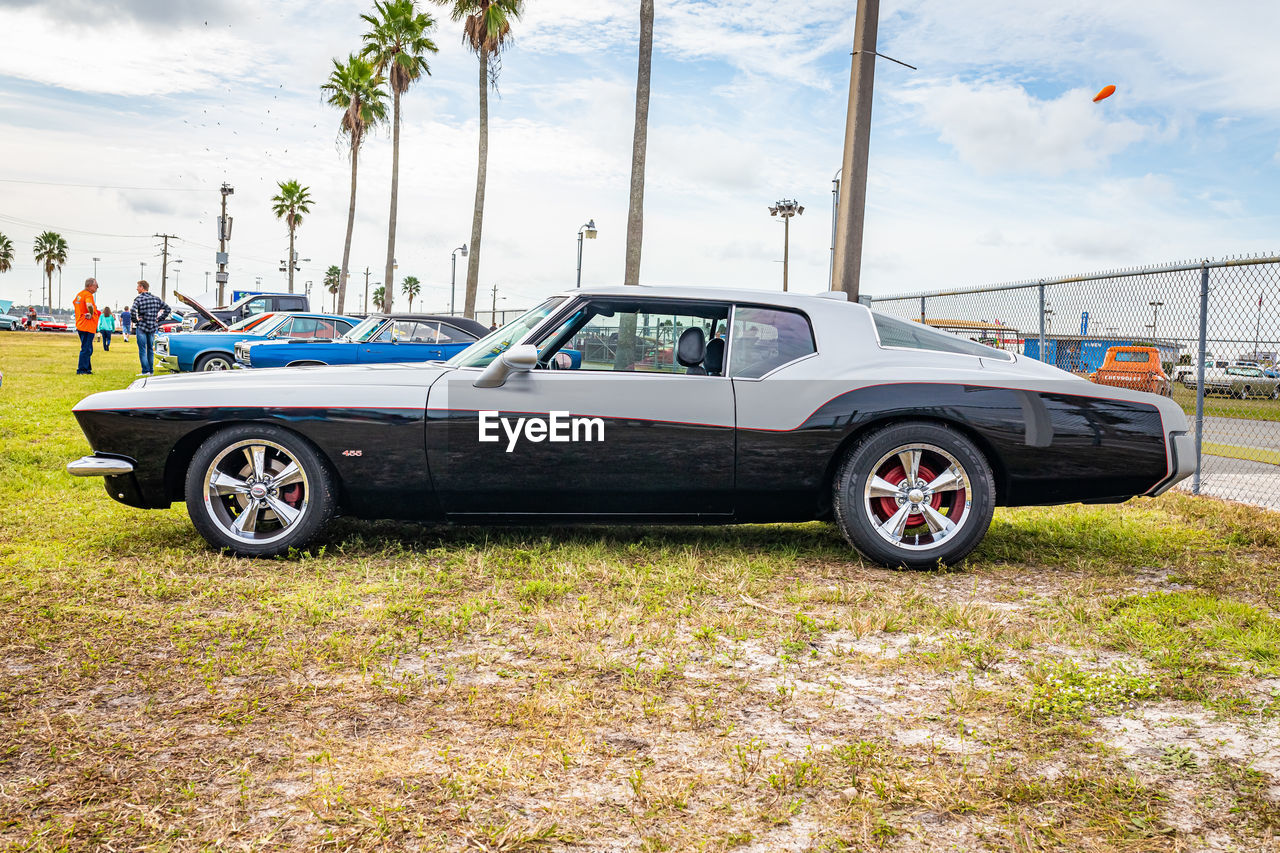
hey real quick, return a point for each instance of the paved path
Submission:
(1254, 483)
(1241, 432)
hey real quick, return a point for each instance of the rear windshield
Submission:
(906, 334)
(1142, 357)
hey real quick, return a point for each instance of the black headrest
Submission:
(692, 347)
(714, 359)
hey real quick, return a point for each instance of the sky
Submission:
(990, 162)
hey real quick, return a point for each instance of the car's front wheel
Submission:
(213, 361)
(259, 490)
(914, 494)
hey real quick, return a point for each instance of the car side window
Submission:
(332, 329)
(304, 327)
(282, 331)
(639, 337)
(906, 334)
(453, 335)
(255, 306)
(765, 339)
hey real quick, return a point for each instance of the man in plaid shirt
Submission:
(148, 313)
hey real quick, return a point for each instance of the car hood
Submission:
(344, 386)
(200, 309)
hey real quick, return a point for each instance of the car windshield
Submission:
(364, 329)
(266, 327)
(499, 341)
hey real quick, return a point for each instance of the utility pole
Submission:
(164, 262)
(857, 144)
(366, 290)
(493, 309)
(224, 234)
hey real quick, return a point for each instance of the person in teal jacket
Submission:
(106, 326)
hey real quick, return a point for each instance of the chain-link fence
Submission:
(1205, 332)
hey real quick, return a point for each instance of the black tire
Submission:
(214, 361)
(307, 364)
(939, 447)
(229, 456)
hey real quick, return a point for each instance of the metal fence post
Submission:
(922, 315)
(1042, 353)
(1204, 326)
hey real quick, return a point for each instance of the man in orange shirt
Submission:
(86, 323)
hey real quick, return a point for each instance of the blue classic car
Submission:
(205, 351)
(379, 338)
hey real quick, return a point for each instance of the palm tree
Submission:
(486, 29)
(293, 201)
(380, 297)
(625, 354)
(356, 89)
(6, 254)
(411, 288)
(397, 45)
(51, 253)
(332, 278)
(635, 214)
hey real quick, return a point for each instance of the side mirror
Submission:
(517, 358)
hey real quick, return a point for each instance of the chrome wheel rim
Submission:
(216, 363)
(255, 491)
(917, 497)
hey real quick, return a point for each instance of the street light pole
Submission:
(1155, 314)
(142, 269)
(95, 268)
(786, 208)
(589, 231)
(835, 214)
(1257, 329)
(453, 278)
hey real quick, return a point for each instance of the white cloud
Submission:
(998, 127)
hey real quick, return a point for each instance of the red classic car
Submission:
(45, 323)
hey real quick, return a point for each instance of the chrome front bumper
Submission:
(99, 466)
(167, 362)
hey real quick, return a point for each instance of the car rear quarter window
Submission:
(906, 334)
(765, 339)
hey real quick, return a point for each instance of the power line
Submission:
(26, 224)
(104, 186)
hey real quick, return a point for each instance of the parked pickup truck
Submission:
(1134, 367)
(219, 319)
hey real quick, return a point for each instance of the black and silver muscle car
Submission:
(684, 406)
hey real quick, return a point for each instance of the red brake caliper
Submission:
(896, 475)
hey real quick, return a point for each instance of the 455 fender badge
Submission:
(353, 453)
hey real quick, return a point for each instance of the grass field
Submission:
(1253, 409)
(1096, 678)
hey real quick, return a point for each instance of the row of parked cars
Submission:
(293, 338)
(43, 323)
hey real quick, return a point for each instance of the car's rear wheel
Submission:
(914, 494)
(213, 361)
(259, 490)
